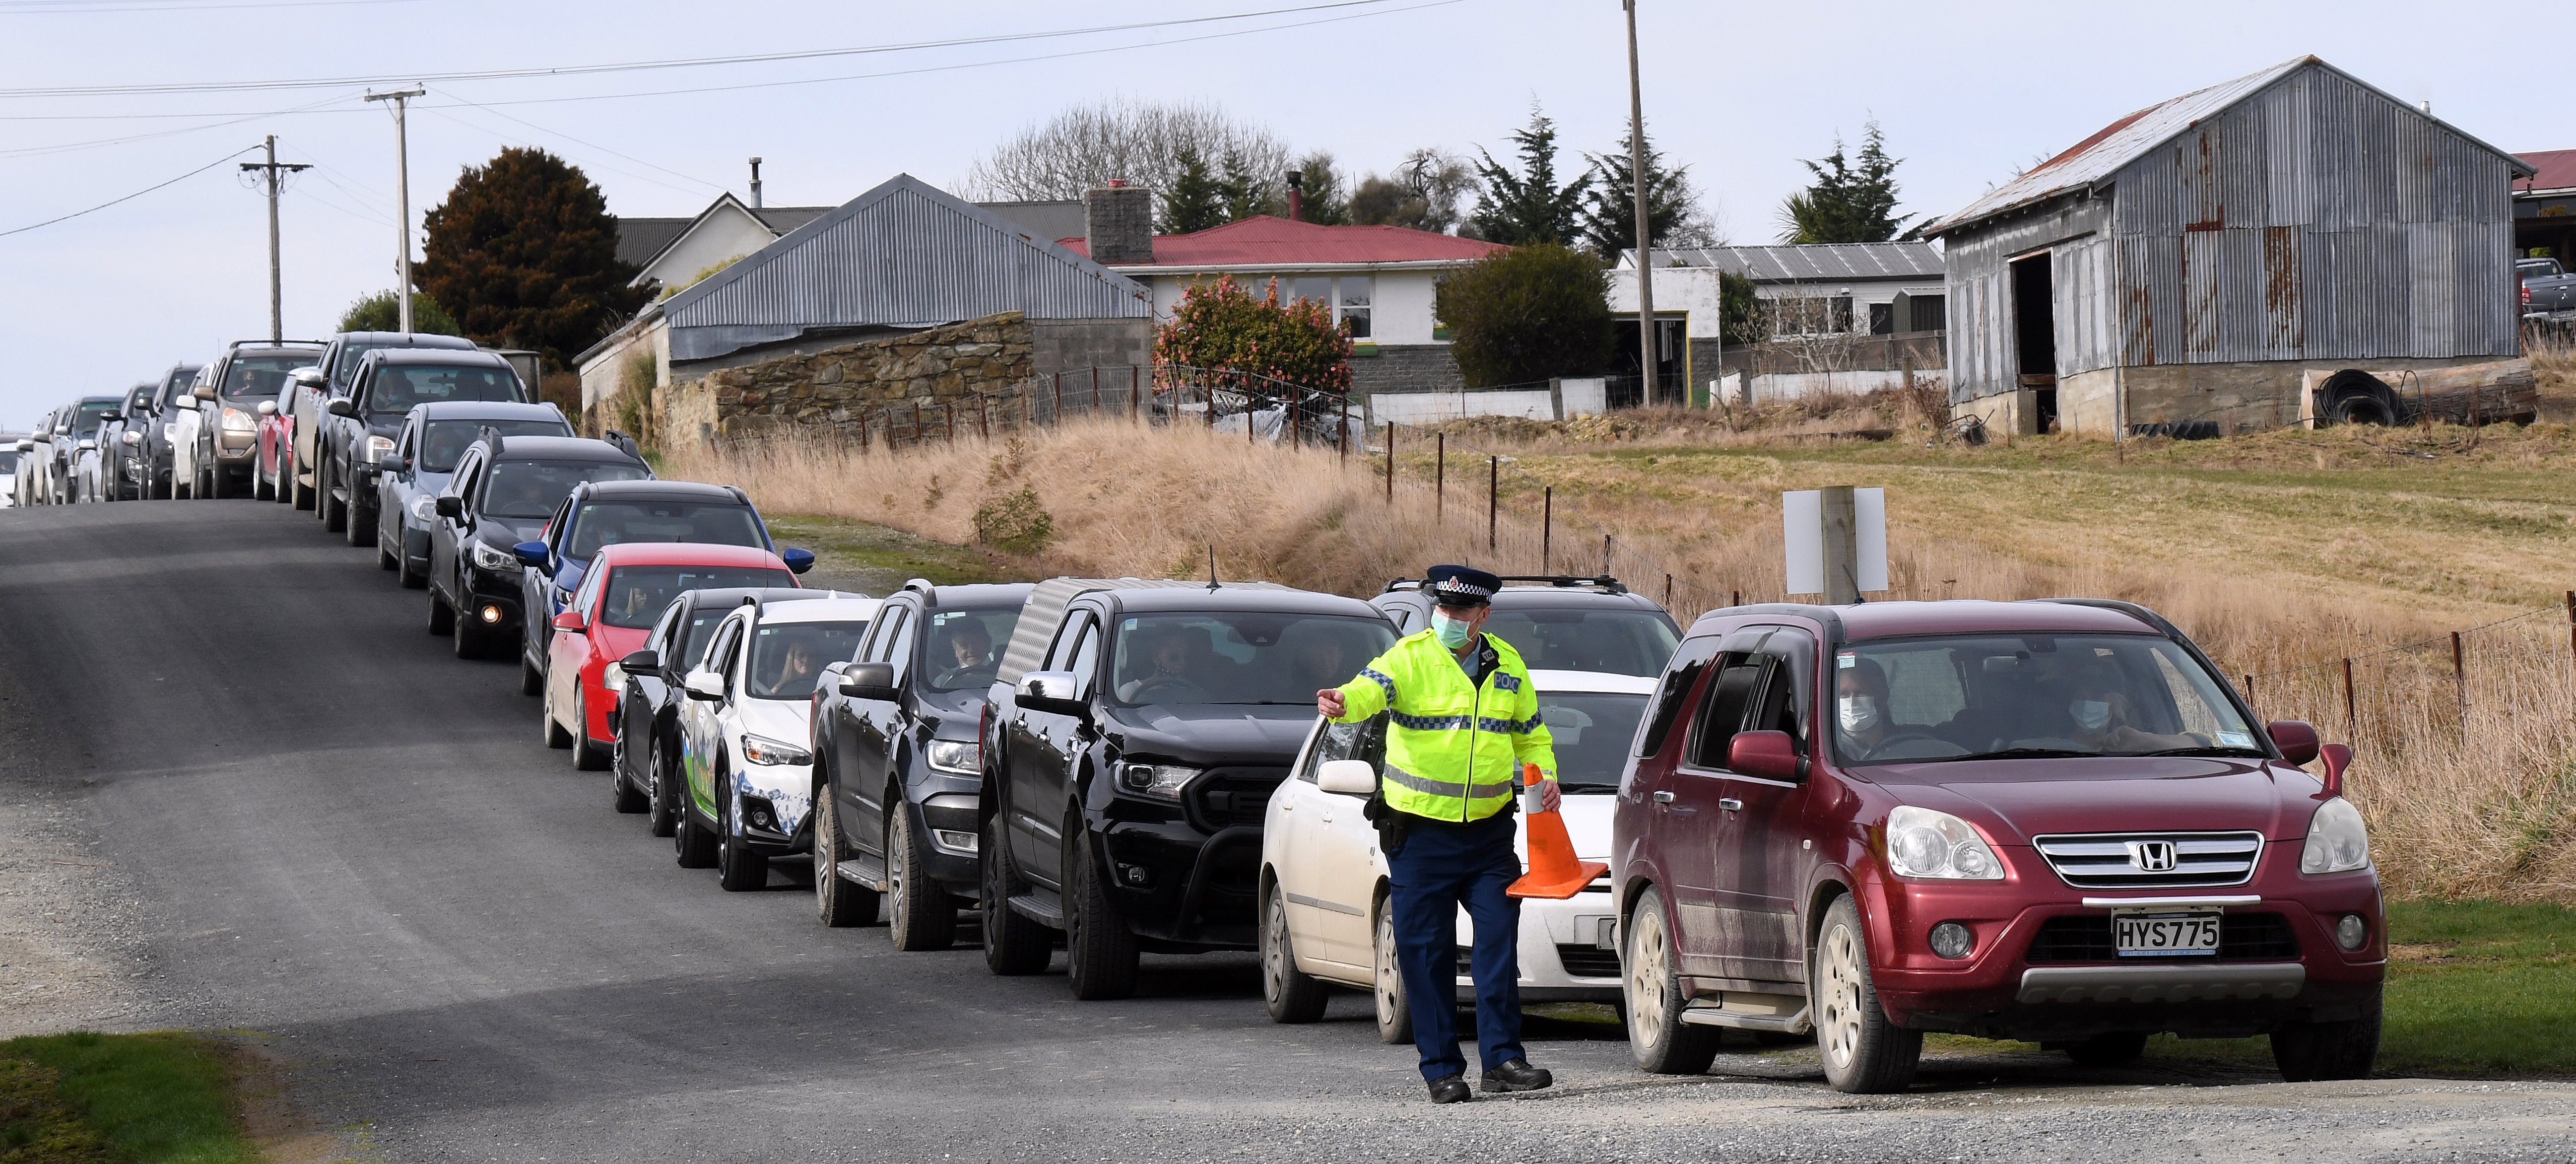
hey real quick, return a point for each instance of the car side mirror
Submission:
(2337, 757)
(641, 663)
(798, 561)
(869, 681)
(87, 444)
(571, 620)
(110, 417)
(1765, 755)
(1053, 692)
(26, 446)
(531, 554)
(268, 408)
(203, 392)
(186, 402)
(341, 406)
(2297, 739)
(449, 505)
(306, 377)
(1348, 777)
(393, 463)
(703, 684)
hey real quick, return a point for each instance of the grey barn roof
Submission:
(906, 254)
(1816, 262)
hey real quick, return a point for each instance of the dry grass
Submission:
(2274, 551)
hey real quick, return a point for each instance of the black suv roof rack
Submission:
(625, 444)
(1604, 582)
(928, 590)
(261, 343)
(491, 437)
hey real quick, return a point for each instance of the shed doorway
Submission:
(2035, 336)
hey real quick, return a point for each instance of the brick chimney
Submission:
(1296, 196)
(1118, 223)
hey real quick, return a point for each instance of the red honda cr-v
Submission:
(2050, 821)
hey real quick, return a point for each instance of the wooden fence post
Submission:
(1135, 395)
(1095, 389)
(1439, 475)
(2351, 713)
(2571, 622)
(2249, 687)
(1605, 557)
(1547, 530)
(984, 417)
(916, 422)
(1668, 591)
(1735, 598)
(1390, 462)
(1057, 379)
(1493, 499)
(2460, 677)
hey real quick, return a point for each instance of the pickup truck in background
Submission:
(2547, 288)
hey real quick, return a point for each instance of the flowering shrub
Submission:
(1221, 325)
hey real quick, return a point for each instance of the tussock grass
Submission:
(2275, 551)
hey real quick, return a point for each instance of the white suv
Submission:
(1324, 916)
(746, 745)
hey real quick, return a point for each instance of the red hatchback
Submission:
(625, 591)
(2049, 821)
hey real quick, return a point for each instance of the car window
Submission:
(720, 655)
(703, 621)
(898, 644)
(609, 523)
(1621, 642)
(1681, 677)
(1403, 617)
(526, 489)
(1344, 741)
(443, 441)
(787, 658)
(1591, 731)
(587, 601)
(1086, 661)
(1067, 638)
(1786, 682)
(637, 594)
(1241, 657)
(665, 628)
(964, 648)
(1953, 696)
(396, 388)
(1722, 709)
(467, 473)
(251, 377)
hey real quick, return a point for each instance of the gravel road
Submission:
(261, 798)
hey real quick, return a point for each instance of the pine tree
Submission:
(1528, 207)
(523, 253)
(1672, 206)
(1319, 191)
(1196, 200)
(1246, 192)
(1851, 201)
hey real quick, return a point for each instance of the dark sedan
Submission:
(501, 495)
(426, 451)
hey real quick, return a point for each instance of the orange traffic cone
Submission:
(1553, 871)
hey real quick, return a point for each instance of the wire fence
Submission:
(1261, 407)
(2394, 692)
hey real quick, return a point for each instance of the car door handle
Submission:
(1730, 804)
(1663, 798)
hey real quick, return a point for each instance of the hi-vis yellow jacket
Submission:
(1453, 752)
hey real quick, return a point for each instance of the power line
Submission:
(511, 139)
(86, 7)
(641, 66)
(592, 145)
(130, 197)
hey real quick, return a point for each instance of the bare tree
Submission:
(1423, 193)
(1140, 141)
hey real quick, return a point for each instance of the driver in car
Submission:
(639, 606)
(797, 671)
(1169, 656)
(1860, 706)
(2098, 703)
(971, 649)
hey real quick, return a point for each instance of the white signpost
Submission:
(1835, 542)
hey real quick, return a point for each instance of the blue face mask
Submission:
(1451, 632)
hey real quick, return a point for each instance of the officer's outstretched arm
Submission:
(1371, 692)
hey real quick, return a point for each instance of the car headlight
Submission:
(958, 756)
(492, 557)
(763, 750)
(2337, 842)
(424, 509)
(1160, 781)
(1924, 843)
(613, 679)
(378, 446)
(236, 420)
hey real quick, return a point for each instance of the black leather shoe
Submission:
(1517, 1075)
(1449, 1089)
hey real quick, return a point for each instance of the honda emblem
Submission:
(2152, 856)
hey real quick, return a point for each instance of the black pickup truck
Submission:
(1135, 732)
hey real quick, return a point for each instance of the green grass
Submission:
(877, 558)
(163, 1098)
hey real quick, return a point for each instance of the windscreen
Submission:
(786, 658)
(8, 460)
(443, 441)
(609, 523)
(1957, 697)
(636, 595)
(1621, 642)
(965, 647)
(1238, 657)
(396, 389)
(1592, 731)
(534, 488)
(259, 377)
(85, 422)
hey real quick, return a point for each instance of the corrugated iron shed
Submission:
(905, 254)
(1806, 262)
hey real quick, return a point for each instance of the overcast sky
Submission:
(1967, 94)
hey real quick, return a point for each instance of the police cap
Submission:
(1462, 586)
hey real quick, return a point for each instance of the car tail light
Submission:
(2526, 294)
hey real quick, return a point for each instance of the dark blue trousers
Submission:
(1443, 867)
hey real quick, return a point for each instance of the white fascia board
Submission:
(1134, 271)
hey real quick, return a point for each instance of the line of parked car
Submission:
(2048, 820)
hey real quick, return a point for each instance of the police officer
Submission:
(1462, 719)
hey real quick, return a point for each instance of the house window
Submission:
(1882, 319)
(1813, 315)
(1352, 305)
(1315, 287)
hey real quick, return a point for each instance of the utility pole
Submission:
(402, 198)
(276, 293)
(1645, 251)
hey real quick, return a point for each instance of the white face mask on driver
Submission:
(2090, 714)
(1858, 713)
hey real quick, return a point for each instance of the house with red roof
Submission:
(1377, 280)
(2544, 207)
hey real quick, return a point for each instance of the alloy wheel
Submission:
(1389, 985)
(1838, 1003)
(1649, 961)
(895, 844)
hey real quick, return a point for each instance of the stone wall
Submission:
(839, 388)
(1406, 368)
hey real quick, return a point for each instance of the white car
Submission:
(188, 416)
(746, 742)
(1324, 915)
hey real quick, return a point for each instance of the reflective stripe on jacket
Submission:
(1453, 752)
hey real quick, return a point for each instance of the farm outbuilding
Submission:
(2287, 243)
